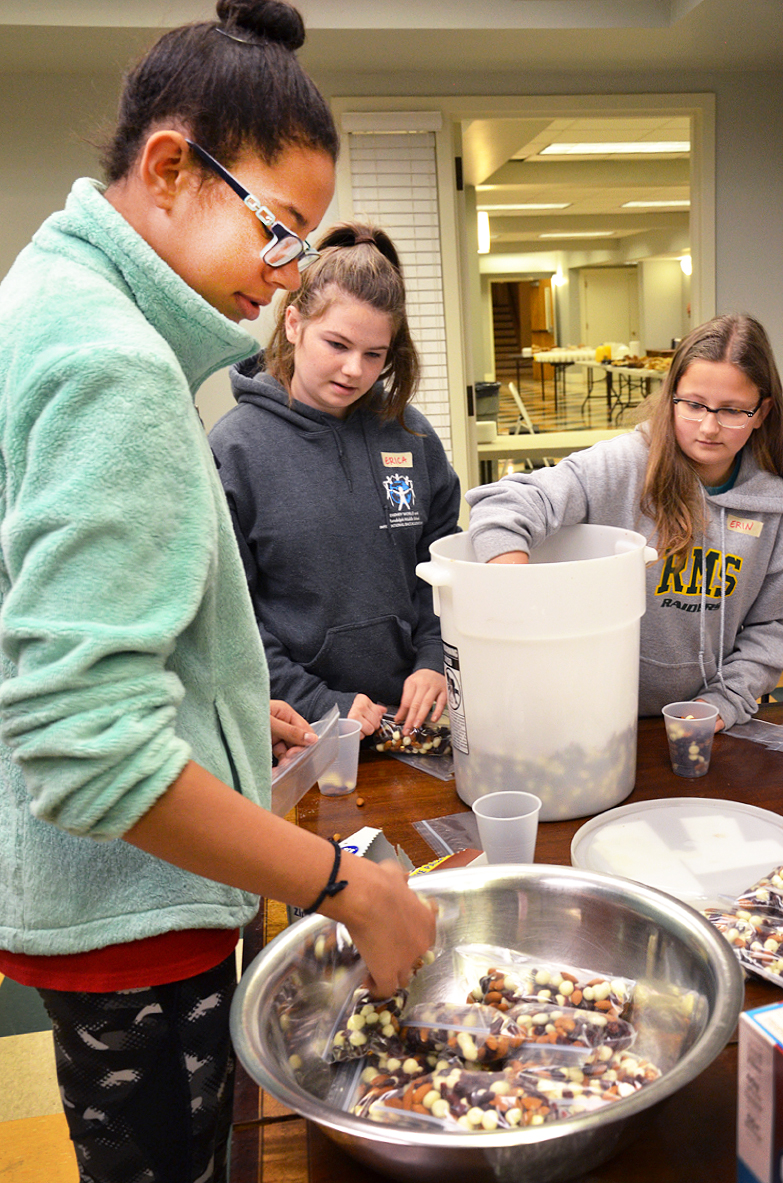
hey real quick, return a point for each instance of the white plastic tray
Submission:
(704, 852)
(291, 781)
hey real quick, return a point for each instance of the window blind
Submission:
(394, 184)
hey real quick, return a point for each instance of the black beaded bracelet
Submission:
(332, 887)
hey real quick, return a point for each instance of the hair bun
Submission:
(273, 19)
(348, 234)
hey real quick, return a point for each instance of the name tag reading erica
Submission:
(397, 459)
(745, 526)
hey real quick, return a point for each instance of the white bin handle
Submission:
(437, 575)
(434, 573)
(622, 547)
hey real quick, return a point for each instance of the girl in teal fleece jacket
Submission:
(134, 766)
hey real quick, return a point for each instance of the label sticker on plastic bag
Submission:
(459, 729)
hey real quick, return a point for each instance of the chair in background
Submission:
(524, 423)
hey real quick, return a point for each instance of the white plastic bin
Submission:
(542, 662)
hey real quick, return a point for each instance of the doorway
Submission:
(464, 295)
(522, 318)
(608, 304)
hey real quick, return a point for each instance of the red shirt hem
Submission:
(152, 961)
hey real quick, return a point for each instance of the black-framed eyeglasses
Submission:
(285, 246)
(726, 416)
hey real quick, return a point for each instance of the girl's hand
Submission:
(203, 826)
(512, 556)
(290, 732)
(390, 925)
(423, 690)
(368, 713)
(719, 724)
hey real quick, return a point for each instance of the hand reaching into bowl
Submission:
(391, 926)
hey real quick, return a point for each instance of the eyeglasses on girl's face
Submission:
(727, 416)
(284, 246)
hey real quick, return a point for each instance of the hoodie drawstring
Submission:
(722, 595)
(703, 612)
(338, 443)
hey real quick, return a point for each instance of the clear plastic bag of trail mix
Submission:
(605, 1076)
(430, 739)
(765, 961)
(757, 940)
(376, 1075)
(478, 1035)
(547, 1027)
(765, 897)
(366, 1025)
(503, 978)
(327, 971)
(329, 955)
(458, 1098)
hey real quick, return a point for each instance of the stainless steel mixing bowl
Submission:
(688, 999)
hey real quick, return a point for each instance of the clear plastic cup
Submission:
(340, 777)
(508, 825)
(690, 727)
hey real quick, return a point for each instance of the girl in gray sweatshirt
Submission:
(336, 488)
(701, 479)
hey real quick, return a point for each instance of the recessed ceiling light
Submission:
(526, 205)
(635, 148)
(579, 234)
(656, 205)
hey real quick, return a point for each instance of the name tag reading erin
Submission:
(745, 526)
(397, 459)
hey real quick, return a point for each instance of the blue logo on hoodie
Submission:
(400, 492)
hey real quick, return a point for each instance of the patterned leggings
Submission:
(146, 1078)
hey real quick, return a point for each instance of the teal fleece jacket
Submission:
(127, 640)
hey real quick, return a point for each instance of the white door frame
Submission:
(455, 242)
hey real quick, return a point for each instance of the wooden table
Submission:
(691, 1136)
(541, 445)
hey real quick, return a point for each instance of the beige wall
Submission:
(50, 126)
(47, 124)
(51, 130)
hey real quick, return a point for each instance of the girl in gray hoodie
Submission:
(336, 488)
(701, 479)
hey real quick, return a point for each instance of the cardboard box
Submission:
(760, 1095)
(373, 845)
(368, 843)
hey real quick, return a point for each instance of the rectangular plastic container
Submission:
(292, 781)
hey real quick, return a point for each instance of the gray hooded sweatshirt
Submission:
(719, 638)
(332, 516)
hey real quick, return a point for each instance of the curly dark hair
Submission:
(234, 84)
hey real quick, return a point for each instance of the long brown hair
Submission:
(672, 494)
(360, 261)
